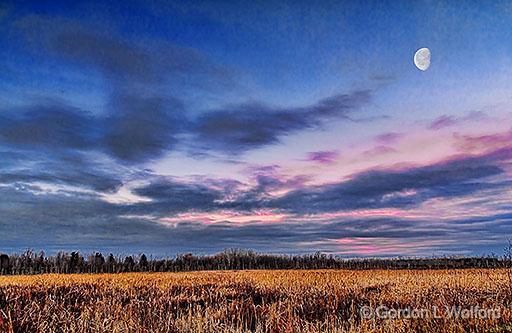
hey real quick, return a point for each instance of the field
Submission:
(259, 301)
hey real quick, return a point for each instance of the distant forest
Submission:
(31, 262)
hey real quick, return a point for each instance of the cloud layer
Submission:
(134, 134)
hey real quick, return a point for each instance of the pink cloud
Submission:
(487, 142)
(323, 157)
(373, 246)
(260, 216)
(365, 213)
(442, 122)
(388, 138)
(379, 150)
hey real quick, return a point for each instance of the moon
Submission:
(422, 59)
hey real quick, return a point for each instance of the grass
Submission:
(252, 301)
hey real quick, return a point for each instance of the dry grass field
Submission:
(257, 301)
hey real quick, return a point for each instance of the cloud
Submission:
(389, 138)
(266, 187)
(323, 157)
(135, 130)
(59, 163)
(145, 81)
(171, 197)
(61, 169)
(486, 142)
(52, 143)
(4, 11)
(378, 150)
(72, 220)
(145, 110)
(10, 158)
(442, 122)
(385, 78)
(167, 190)
(139, 129)
(240, 128)
(120, 60)
(62, 222)
(375, 189)
(112, 56)
(50, 125)
(449, 121)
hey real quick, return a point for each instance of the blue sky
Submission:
(284, 127)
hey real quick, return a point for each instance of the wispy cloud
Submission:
(240, 128)
(389, 138)
(449, 121)
(323, 157)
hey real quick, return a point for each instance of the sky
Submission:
(168, 127)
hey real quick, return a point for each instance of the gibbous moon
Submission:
(422, 59)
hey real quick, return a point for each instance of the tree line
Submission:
(31, 262)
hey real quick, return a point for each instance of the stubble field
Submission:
(260, 301)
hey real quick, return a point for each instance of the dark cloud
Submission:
(240, 128)
(257, 196)
(110, 55)
(485, 220)
(10, 158)
(267, 183)
(66, 220)
(147, 84)
(47, 143)
(143, 115)
(84, 179)
(119, 60)
(61, 222)
(124, 63)
(4, 11)
(377, 189)
(135, 130)
(179, 192)
(285, 237)
(50, 125)
(69, 169)
(170, 197)
(368, 190)
(139, 129)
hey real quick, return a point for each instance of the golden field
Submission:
(255, 301)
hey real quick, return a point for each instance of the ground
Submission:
(260, 301)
